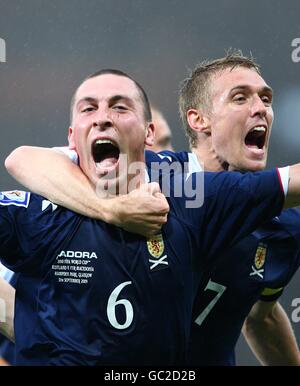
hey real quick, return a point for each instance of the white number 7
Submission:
(219, 288)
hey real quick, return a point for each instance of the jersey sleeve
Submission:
(271, 294)
(232, 205)
(5, 273)
(72, 154)
(31, 230)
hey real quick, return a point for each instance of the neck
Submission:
(130, 176)
(208, 157)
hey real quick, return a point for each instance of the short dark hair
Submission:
(195, 89)
(142, 92)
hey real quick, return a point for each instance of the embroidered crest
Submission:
(156, 246)
(260, 255)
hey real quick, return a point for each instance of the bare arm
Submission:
(270, 336)
(51, 174)
(7, 309)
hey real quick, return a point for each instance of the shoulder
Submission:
(169, 157)
(25, 205)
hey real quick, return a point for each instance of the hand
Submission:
(143, 211)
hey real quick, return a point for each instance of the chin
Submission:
(107, 188)
(253, 166)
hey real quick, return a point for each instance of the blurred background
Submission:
(52, 46)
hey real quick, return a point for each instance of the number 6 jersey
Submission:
(90, 293)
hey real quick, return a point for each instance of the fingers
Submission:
(145, 210)
(147, 228)
(155, 227)
(152, 188)
(148, 233)
(163, 205)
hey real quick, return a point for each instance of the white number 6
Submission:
(111, 307)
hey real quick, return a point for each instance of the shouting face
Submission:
(109, 125)
(241, 118)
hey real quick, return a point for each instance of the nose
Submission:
(258, 107)
(102, 119)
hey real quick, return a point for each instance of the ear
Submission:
(198, 121)
(149, 137)
(71, 139)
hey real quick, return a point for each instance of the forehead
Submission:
(226, 80)
(105, 86)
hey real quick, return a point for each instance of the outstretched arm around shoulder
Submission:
(51, 173)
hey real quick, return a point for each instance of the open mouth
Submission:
(256, 138)
(105, 154)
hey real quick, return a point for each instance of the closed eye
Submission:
(120, 107)
(88, 109)
(239, 98)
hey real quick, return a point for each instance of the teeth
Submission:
(102, 141)
(259, 128)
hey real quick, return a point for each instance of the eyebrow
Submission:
(86, 99)
(265, 89)
(112, 99)
(116, 98)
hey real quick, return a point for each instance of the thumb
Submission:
(153, 188)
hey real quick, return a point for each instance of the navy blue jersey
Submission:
(90, 293)
(257, 267)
